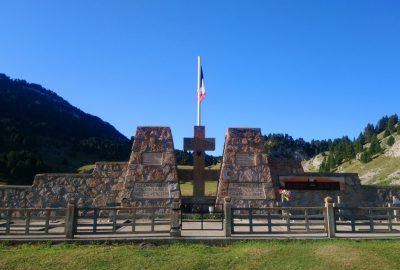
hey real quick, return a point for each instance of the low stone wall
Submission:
(352, 192)
(15, 196)
(100, 188)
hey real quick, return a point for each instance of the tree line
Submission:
(365, 147)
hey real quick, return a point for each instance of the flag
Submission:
(201, 92)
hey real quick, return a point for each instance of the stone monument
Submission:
(151, 177)
(245, 175)
(199, 144)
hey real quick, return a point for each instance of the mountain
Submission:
(41, 132)
(374, 155)
(383, 168)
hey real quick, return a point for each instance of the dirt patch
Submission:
(369, 175)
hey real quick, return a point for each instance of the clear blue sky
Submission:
(312, 69)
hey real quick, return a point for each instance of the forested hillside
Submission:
(41, 132)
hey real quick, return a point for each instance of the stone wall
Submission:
(352, 192)
(100, 188)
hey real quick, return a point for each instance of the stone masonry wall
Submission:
(100, 188)
(245, 174)
(151, 177)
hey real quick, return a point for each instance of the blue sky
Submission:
(312, 69)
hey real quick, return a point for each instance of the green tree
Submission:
(365, 157)
(391, 141)
(369, 131)
(375, 146)
(358, 147)
(386, 133)
(391, 125)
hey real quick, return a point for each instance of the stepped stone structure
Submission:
(245, 173)
(151, 178)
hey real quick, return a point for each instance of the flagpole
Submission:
(198, 89)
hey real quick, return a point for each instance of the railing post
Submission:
(228, 216)
(175, 225)
(70, 221)
(330, 217)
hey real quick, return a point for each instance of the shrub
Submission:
(391, 141)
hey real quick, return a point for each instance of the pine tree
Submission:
(391, 125)
(331, 162)
(391, 141)
(365, 157)
(387, 133)
(375, 146)
(358, 147)
(322, 167)
(369, 131)
(382, 124)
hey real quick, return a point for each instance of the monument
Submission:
(245, 174)
(199, 144)
(151, 177)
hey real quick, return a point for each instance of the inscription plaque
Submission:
(245, 159)
(151, 190)
(152, 158)
(246, 190)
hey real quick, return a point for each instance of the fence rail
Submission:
(74, 221)
(123, 220)
(278, 220)
(202, 216)
(32, 221)
(367, 219)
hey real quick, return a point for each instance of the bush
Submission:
(391, 141)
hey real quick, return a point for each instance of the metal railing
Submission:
(202, 216)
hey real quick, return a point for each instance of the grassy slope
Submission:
(375, 172)
(272, 254)
(381, 170)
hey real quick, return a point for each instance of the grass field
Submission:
(273, 254)
(210, 190)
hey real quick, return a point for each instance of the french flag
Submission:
(201, 92)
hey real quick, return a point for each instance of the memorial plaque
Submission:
(151, 190)
(246, 191)
(152, 159)
(245, 159)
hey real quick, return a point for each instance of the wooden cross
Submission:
(199, 144)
